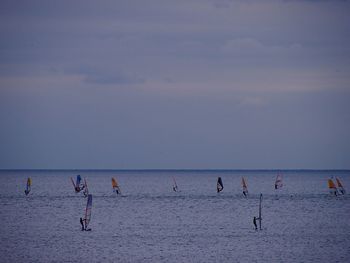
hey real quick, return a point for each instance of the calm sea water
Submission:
(151, 223)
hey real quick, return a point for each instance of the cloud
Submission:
(105, 76)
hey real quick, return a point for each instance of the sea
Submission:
(149, 222)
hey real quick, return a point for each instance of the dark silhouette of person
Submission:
(275, 186)
(244, 194)
(254, 222)
(82, 224)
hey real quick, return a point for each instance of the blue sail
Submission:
(78, 180)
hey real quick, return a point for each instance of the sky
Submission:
(187, 84)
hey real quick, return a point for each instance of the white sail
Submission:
(278, 182)
(175, 185)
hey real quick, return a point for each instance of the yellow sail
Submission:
(29, 182)
(114, 183)
(331, 184)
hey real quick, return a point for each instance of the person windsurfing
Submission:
(254, 222)
(29, 184)
(82, 224)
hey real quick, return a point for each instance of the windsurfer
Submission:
(82, 224)
(254, 222)
(244, 193)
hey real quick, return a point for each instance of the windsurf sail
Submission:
(332, 187)
(86, 189)
(115, 186)
(78, 186)
(78, 180)
(87, 216)
(219, 185)
(260, 218)
(174, 185)
(340, 186)
(244, 185)
(29, 186)
(278, 182)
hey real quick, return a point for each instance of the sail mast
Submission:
(87, 217)
(260, 218)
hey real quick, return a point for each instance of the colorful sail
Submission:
(278, 182)
(219, 185)
(29, 186)
(115, 186)
(87, 216)
(78, 186)
(244, 185)
(332, 187)
(174, 185)
(340, 186)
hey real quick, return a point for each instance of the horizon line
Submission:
(171, 169)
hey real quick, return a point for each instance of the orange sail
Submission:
(331, 184)
(332, 187)
(114, 183)
(115, 186)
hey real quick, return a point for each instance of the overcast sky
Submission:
(175, 84)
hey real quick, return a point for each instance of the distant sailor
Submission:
(254, 222)
(244, 194)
